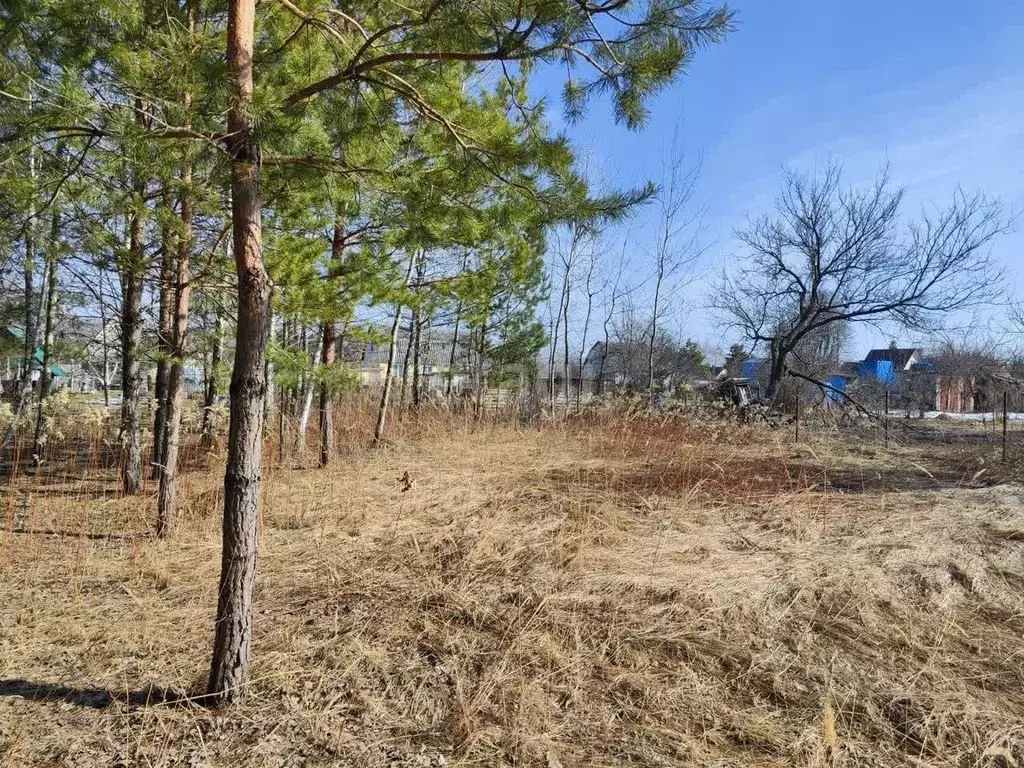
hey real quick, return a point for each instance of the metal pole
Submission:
(1005, 416)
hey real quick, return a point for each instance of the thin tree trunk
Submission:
(416, 338)
(106, 350)
(307, 408)
(607, 324)
(562, 302)
(586, 326)
(131, 338)
(481, 346)
(385, 395)
(167, 496)
(328, 349)
(326, 416)
(405, 363)
(230, 667)
(29, 348)
(301, 391)
(416, 334)
(164, 342)
(207, 440)
(268, 372)
(553, 326)
(565, 352)
(455, 337)
(776, 372)
(654, 328)
(451, 358)
(281, 408)
(45, 378)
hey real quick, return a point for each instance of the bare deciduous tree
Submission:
(677, 247)
(833, 255)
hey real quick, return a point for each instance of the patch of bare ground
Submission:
(587, 595)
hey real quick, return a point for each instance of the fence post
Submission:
(886, 420)
(1005, 419)
(799, 393)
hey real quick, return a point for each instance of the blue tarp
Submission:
(838, 386)
(750, 368)
(881, 371)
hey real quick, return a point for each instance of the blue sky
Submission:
(934, 88)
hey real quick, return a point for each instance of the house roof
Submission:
(435, 348)
(897, 356)
(18, 333)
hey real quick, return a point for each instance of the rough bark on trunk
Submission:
(230, 666)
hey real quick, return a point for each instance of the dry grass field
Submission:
(598, 593)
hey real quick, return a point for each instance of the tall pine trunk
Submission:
(230, 666)
(163, 340)
(131, 338)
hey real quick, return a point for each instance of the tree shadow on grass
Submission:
(895, 479)
(125, 537)
(93, 698)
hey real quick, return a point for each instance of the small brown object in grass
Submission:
(406, 481)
